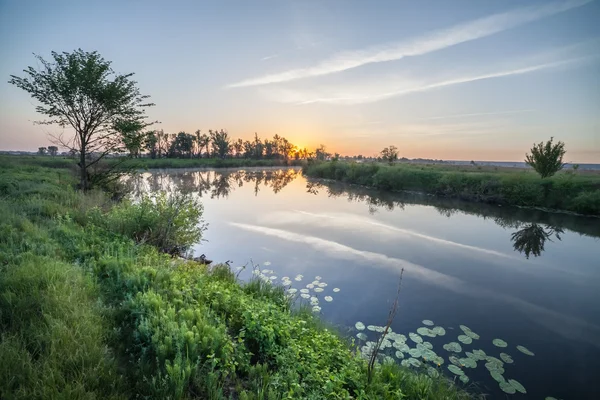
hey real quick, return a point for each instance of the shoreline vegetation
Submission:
(91, 308)
(566, 191)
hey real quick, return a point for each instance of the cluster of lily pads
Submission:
(317, 286)
(415, 351)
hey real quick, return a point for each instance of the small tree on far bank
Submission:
(42, 151)
(80, 90)
(53, 150)
(546, 158)
(390, 154)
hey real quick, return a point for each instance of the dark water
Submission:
(527, 277)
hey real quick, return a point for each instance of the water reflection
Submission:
(532, 238)
(529, 239)
(533, 227)
(215, 184)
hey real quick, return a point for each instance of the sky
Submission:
(454, 80)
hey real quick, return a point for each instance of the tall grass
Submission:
(568, 192)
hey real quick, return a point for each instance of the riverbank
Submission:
(566, 191)
(90, 309)
(152, 163)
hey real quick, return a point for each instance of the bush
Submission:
(172, 223)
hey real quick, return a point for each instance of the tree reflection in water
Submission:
(535, 227)
(531, 239)
(216, 184)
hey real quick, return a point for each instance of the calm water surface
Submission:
(527, 277)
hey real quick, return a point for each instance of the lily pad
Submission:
(480, 354)
(472, 335)
(304, 290)
(362, 336)
(427, 322)
(454, 360)
(310, 286)
(401, 346)
(405, 363)
(497, 376)
(415, 338)
(507, 387)
(499, 343)
(438, 360)
(427, 345)
(359, 326)
(318, 278)
(465, 339)
(399, 354)
(414, 362)
(464, 328)
(433, 372)
(452, 346)
(468, 362)
(423, 331)
(438, 330)
(305, 295)
(464, 379)
(525, 350)
(316, 308)
(414, 352)
(455, 370)
(550, 398)
(292, 290)
(372, 328)
(517, 385)
(319, 289)
(298, 278)
(506, 358)
(328, 298)
(336, 289)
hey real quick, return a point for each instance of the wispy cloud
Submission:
(366, 96)
(480, 114)
(269, 57)
(434, 41)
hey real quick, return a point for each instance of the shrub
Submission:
(172, 223)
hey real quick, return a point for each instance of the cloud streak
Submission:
(362, 98)
(480, 114)
(428, 43)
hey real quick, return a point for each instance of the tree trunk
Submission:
(83, 182)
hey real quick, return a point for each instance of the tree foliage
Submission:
(53, 150)
(546, 158)
(80, 90)
(390, 154)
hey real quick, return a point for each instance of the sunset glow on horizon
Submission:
(457, 80)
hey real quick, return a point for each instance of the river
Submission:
(527, 277)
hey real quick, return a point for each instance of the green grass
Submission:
(565, 191)
(88, 309)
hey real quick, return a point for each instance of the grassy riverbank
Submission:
(565, 191)
(89, 309)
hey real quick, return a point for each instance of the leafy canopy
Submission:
(546, 158)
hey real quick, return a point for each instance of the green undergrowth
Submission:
(90, 309)
(564, 191)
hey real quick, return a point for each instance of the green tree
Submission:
(80, 90)
(182, 145)
(546, 158)
(132, 136)
(390, 154)
(221, 143)
(238, 146)
(321, 153)
(53, 150)
(151, 143)
(42, 151)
